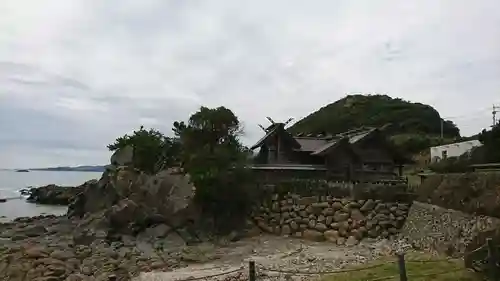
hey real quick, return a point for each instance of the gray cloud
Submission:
(76, 74)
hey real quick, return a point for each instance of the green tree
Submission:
(153, 151)
(215, 159)
(491, 142)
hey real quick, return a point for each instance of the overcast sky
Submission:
(76, 74)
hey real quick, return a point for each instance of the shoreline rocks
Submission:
(54, 194)
(44, 248)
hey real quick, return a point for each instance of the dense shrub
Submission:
(491, 142)
(153, 151)
(215, 159)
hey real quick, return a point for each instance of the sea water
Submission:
(11, 182)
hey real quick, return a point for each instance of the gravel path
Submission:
(278, 253)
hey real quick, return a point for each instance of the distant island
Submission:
(73, 169)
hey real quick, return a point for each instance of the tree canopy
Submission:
(491, 142)
(153, 151)
(207, 147)
(214, 157)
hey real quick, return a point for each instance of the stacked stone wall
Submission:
(325, 217)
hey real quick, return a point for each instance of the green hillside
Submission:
(414, 126)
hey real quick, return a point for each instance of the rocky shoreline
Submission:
(115, 227)
(54, 194)
(57, 248)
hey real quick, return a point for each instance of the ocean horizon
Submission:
(12, 182)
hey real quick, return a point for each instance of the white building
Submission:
(452, 150)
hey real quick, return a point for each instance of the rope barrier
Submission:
(450, 258)
(264, 270)
(212, 276)
(418, 275)
(321, 272)
(436, 274)
(384, 278)
(298, 272)
(365, 268)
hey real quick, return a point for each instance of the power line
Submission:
(469, 116)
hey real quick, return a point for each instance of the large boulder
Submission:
(123, 156)
(131, 201)
(111, 187)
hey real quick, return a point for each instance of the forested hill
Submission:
(416, 123)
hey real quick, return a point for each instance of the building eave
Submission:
(295, 167)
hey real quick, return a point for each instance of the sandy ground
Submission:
(275, 253)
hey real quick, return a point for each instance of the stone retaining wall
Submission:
(338, 220)
(473, 193)
(446, 231)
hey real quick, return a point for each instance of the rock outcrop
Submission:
(123, 157)
(126, 201)
(54, 194)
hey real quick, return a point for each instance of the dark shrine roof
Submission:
(310, 144)
(316, 145)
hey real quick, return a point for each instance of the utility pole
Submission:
(442, 125)
(494, 112)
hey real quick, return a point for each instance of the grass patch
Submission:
(434, 269)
